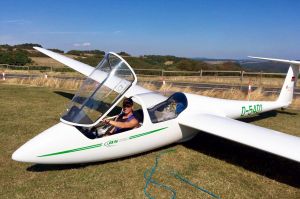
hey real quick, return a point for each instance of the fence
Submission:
(159, 72)
(36, 68)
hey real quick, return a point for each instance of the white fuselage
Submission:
(65, 144)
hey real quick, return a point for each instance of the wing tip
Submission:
(277, 60)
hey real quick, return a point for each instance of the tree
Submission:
(18, 57)
(56, 50)
(122, 53)
(21, 58)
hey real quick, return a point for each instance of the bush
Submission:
(74, 52)
(27, 46)
(56, 50)
(122, 53)
(18, 57)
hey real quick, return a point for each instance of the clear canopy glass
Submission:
(100, 91)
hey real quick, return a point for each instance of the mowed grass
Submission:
(227, 169)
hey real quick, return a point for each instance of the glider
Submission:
(160, 121)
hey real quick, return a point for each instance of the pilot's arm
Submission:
(131, 124)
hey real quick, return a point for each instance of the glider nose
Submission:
(21, 155)
(57, 138)
(27, 152)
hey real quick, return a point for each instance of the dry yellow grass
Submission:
(232, 93)
(47, 82)
(166, 88)
(255, 81)
(42, 73)
(47, 61)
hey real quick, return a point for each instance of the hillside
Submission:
(93, 57)
(265, 66)
(251, 64)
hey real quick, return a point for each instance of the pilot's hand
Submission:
(106, 121)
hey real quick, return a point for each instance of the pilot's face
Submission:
(127, 108)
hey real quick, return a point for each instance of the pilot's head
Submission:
(127, 105)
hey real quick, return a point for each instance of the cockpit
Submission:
(100, 92)
(96, 108)
(168, 109)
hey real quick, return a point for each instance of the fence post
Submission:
(260, 79)
(162, 72)
(200, 73)
(242, 76)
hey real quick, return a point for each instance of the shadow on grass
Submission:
(65, 94)
(267, 115)
(260, 116)
(272, 166)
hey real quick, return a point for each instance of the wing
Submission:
(87, 70)
(76, 65)
(278, 60)
(275, 142)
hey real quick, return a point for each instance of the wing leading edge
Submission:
(76, 65)
(275, 142)
(87, 70)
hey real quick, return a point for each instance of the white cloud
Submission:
(84, 44)
(117, 32)
(15, 21)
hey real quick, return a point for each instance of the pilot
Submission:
(125, 121)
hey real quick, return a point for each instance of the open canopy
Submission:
(100, 92)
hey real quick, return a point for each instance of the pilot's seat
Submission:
(139, 115)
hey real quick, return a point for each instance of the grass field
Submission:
(47, 61)
(227, 169)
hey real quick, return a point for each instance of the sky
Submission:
(191, 28)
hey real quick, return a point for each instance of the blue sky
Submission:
(200, 28)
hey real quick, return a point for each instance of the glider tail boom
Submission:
(290, 82)
(286, 94)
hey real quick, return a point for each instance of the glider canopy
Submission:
(100, 92)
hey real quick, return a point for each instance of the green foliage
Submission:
(18, 57)
(75, 52)
(83, 52)
(27, 46)
(122, 53)
(56, 50)
(95, 52)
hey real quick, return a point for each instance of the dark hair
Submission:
(127, 101)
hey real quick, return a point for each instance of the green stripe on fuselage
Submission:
(98, 145)
(147, 133)
(72, 150)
